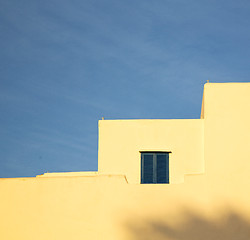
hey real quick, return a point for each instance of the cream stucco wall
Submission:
(210, 202)
(120, 143)
(227, 134)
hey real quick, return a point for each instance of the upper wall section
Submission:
(227, 134)
(120, 143)
(226, 100)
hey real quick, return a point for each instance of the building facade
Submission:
(156, 179)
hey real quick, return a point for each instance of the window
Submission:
(154, 167)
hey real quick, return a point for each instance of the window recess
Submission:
(154, 167)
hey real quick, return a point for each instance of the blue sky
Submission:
(66, 64)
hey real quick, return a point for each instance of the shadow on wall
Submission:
(230, 226)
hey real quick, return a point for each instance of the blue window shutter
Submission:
(155, 167)
(147, 168)
(162, 168)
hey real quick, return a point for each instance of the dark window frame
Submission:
(155, 175)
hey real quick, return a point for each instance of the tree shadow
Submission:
(229, 226)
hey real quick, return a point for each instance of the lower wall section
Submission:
(107, 207)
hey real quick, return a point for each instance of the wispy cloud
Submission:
(65, 64)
